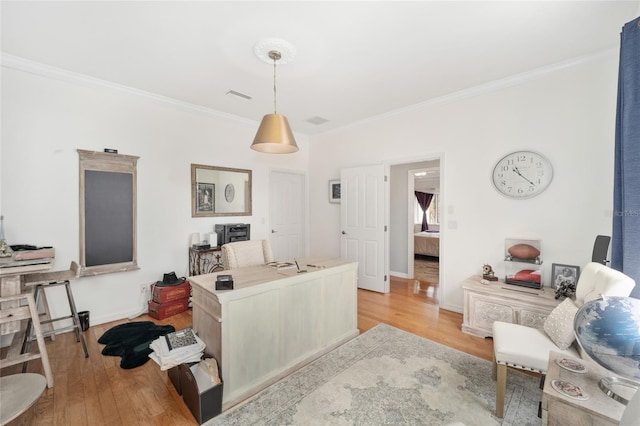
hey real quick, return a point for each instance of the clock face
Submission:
(229, 192)
(522, 174)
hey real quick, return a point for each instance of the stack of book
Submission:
(176, 348)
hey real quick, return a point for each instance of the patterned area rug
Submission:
(388, 376)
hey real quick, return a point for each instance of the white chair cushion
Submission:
(597, 279)
(246, 253)
(559, 324)
(524, 347)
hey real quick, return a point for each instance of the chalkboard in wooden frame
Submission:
(108, 195)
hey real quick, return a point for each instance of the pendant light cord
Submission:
(275, 110)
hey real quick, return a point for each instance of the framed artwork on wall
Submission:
(204, 197)
(334, 191)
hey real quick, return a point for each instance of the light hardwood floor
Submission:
(96, 391)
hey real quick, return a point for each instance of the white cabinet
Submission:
(497, 301)
(274, 322)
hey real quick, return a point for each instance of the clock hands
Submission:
(515, 169)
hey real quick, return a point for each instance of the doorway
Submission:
(415, 255)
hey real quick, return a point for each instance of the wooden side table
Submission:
(561, 410)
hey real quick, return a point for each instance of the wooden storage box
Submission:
(164, 310)
(166, 294)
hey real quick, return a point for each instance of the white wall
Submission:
(567, 114)
(45, 120)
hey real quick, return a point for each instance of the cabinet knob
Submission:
(344, 233)
(273, 231)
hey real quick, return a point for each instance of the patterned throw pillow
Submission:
(559, 324)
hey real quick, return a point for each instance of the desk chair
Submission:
(527, 348)
(246, 253)
(39, 282)
(19, 312)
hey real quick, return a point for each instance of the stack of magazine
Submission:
(176, 348)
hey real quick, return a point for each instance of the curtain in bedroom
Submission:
(424, 199)
(625, 241)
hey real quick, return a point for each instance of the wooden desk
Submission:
(274, 322)
(560, 410)
(11, 272)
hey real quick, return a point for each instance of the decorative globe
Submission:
(608, 329)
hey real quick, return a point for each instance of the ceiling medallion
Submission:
(263, 47)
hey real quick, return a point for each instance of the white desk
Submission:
(274, 322)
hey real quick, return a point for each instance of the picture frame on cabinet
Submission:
(334, 191)
(564, 275)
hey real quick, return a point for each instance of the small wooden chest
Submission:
(164, 294)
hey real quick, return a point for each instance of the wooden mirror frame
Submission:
(220, 191)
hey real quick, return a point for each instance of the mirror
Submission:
(220, 191)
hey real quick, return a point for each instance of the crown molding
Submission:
(25, 65)
(37, 68)
(485, 88)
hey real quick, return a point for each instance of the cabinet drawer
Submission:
(486, 312)
(531, 318)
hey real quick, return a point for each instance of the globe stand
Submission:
(618, 388)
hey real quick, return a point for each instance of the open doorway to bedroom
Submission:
(419, 272)
(424, 205)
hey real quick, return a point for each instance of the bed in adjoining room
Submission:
(427, 243)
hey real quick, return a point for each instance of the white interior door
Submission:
(286, 201)
(363, 224)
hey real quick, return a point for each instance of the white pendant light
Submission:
(274, 135)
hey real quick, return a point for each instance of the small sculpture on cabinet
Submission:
(488, 274)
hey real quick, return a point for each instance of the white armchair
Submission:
(528, 348)
(246, 253)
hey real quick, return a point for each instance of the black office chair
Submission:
(600, 249)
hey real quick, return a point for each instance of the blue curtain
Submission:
(625, 240)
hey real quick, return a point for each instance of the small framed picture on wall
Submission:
(334, 191)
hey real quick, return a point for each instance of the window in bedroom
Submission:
(433, 212)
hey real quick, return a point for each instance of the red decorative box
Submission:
(170, 293)
(164, 310)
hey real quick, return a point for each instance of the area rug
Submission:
(131, 341)
(388, 376)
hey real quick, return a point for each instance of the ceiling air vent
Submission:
(317, 120)
(238, 94)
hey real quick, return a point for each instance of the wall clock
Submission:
(229, 192)
(522, 174)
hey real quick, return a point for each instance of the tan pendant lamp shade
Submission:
(274, 135)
